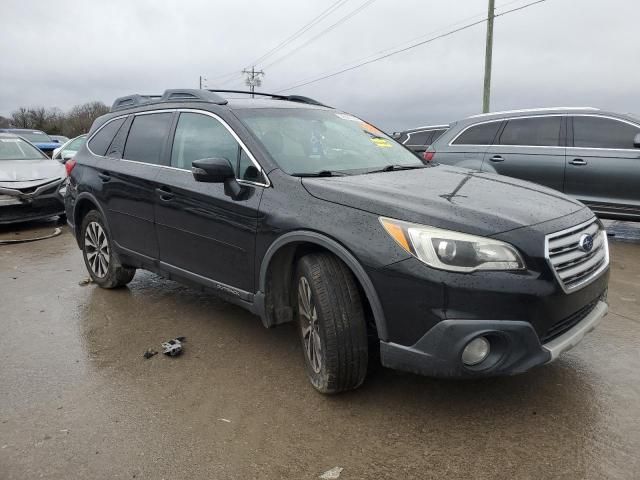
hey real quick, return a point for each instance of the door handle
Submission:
(165, 193)
(105, 177)
(578, 162)
(497, 158)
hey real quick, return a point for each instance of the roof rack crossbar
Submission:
(171, 95)
(290, 98)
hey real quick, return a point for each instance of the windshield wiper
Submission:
(321, 173)
(394, 168)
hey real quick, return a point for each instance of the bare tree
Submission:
(21, 118)
(54, 121)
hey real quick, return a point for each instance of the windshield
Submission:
(35, 137)
(18, 149)
(307, 141)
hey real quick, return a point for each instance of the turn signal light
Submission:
(428, 156)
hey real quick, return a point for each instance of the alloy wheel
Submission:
(96, 249)
(309, 325)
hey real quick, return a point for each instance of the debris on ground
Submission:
(172, 347)
(226, 420)
(55, 233)
(149, 353)
(86, 281)
(331, 474)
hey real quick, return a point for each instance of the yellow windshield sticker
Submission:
(381, 142)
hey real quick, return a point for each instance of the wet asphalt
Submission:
(78, 400)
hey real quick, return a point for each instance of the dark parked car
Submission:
(31, 184)
(418, 139)
(40, 139)
(300, 212)
(589, 154)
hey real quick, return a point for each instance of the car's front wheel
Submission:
(332, 325)
(99, 257)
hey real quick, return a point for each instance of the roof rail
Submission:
(525, 110)
(171, 95)
(290, 98)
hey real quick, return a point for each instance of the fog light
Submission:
(476, 351)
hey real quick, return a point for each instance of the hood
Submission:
(447, 197)
(29, 170)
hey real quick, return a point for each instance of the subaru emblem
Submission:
(586, 243)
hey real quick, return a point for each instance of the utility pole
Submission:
(253, 79)
(486, 97)
(203, 82)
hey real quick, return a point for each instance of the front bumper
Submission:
(515, 347)
(27, 204)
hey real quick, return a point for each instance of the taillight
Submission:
(428, 155)
(69, 166)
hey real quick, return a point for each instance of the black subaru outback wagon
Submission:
(303, 213)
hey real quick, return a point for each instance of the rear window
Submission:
(537, 132)
(597, 132)
(147, 137)
(482, 134)
(101, 140)
(36, 136)
(18, 149)
(419, 138)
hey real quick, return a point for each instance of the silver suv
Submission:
(587, 153)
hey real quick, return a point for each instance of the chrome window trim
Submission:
(420, 131)
(506, 119)
(607, 117)
(188, 110)
(586, 281)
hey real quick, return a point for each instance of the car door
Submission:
(128, 175)
(603, 167)
(530, 148)
(204, 232)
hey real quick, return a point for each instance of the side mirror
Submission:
(636, 141)
(212, 170)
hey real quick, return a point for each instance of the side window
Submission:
(147, 137)
(436, 134)
(201, 136)
(74, 146)
(597, 132)
(101, 140)
(482, 134)
(537, 132)
(419, 138)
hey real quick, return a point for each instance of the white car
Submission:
(69, 149)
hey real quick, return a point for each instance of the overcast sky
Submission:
(560, 52)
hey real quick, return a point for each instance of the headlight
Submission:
(454, 251)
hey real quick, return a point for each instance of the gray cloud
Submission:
(561, 52)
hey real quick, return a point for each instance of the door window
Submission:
(537, 132)
(201, 136)
(74, 146)
(101, 140)
(147, 136)
(482, 134)
(598, 132)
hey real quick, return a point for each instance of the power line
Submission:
(395, 52)
(480, 15)
(323, 32)
(302, 30)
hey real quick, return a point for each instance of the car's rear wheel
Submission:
(332, 325)
(99, 257)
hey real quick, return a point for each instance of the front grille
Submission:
(573, 266)
(568, 323)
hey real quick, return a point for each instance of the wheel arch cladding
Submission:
(278, 267)
(84, 204)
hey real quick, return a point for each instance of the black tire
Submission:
(339, 325)
(107, 274)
